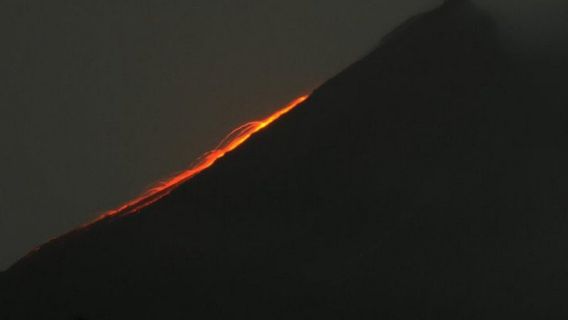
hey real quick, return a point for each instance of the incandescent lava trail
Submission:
(228, 144)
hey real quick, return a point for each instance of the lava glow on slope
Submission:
(228, 144)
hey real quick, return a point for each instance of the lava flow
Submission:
(229, 143)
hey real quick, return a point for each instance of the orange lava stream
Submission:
(228, 144)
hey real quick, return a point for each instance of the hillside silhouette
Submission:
(425, 181)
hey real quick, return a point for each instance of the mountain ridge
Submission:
(419, 182)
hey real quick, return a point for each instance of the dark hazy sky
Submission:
(101, 98)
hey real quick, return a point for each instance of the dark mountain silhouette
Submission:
(426, 181)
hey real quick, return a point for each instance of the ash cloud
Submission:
(531, 27)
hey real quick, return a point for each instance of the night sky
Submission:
(102, 98)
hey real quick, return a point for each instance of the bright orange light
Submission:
(228, 144)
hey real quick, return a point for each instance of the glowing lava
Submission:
(228, 144)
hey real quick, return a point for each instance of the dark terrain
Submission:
(426, 181)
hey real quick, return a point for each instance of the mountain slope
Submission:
(425, 181)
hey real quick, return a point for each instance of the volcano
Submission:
(425, 181)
